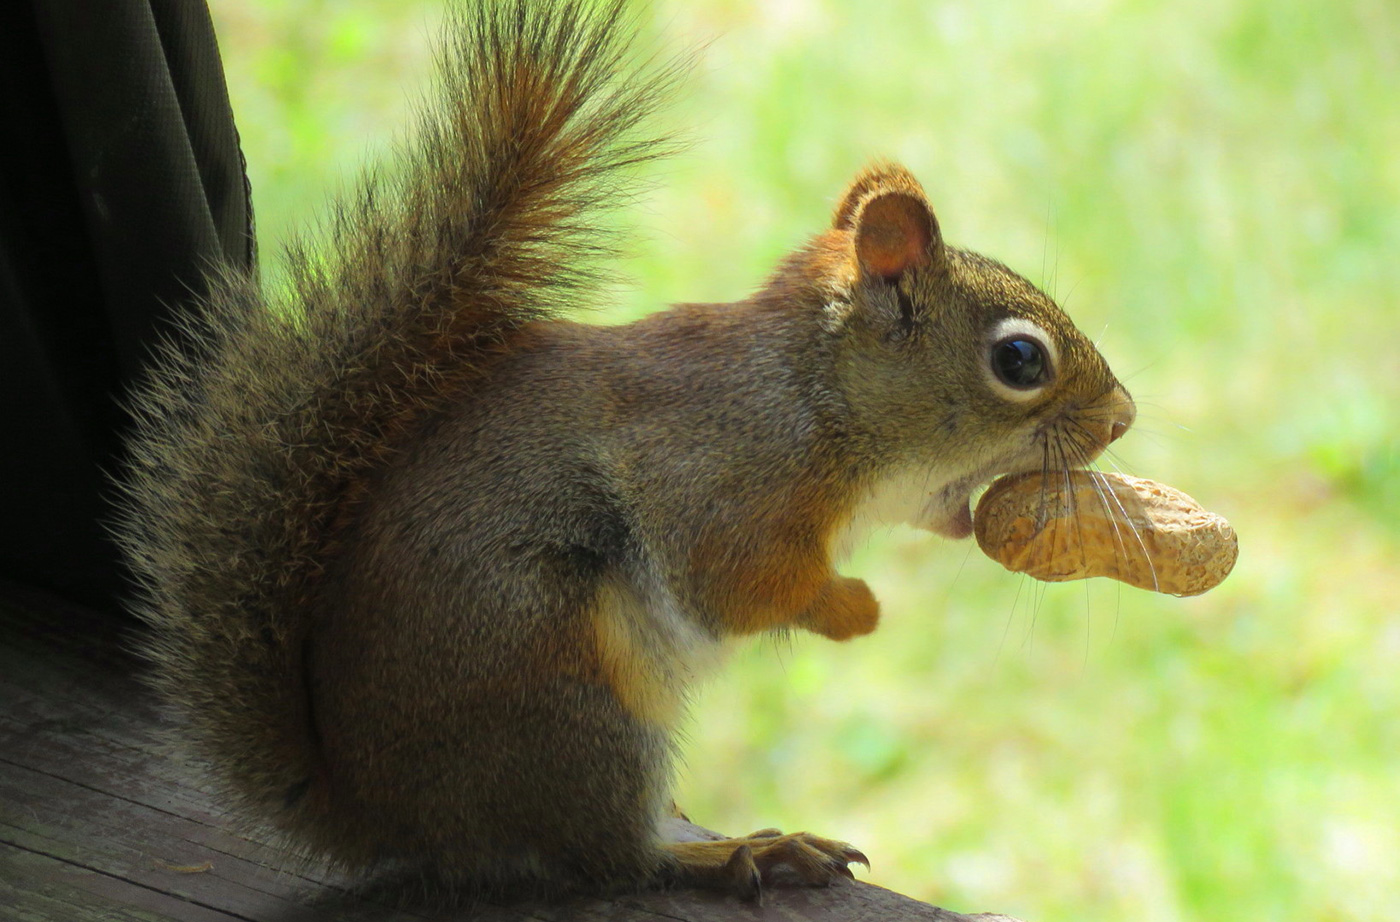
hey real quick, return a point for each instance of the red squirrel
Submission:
(428, 567)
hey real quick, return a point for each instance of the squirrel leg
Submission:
(742, 866)
(844, 608)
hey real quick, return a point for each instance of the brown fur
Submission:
(429, 570)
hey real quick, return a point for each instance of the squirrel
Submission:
(427, 567)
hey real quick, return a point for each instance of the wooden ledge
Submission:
(97, 823)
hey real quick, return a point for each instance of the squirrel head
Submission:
(953, 368)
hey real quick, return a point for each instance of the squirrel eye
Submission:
(1020, 362)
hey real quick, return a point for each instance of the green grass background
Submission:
(1213, 191)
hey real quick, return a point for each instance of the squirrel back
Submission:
(255, 446)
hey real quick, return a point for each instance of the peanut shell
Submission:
(1077, 524)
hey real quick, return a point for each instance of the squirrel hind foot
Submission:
(742, 866)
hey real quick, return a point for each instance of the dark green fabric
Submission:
(121, 181)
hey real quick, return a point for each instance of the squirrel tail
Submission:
(255, 442)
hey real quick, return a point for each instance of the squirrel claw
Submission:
(857, 856)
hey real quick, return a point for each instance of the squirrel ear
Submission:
(893, 225)
(895, 232)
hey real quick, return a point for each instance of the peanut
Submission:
(1077, 524)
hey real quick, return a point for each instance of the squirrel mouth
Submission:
(949, 511)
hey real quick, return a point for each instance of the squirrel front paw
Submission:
(843, 609)
(742, 866)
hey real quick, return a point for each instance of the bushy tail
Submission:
(254, 446)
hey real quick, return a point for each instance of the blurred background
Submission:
(1212, 189)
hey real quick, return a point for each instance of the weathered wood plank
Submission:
(115, 838)
(99, 821)
(35, 887)
(847, 902)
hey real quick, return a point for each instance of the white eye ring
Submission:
(1010, 329)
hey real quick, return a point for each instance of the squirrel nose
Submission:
(1127, 412)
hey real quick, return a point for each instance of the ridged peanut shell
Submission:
(1079, 524)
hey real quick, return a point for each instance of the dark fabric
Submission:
(121, 182)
